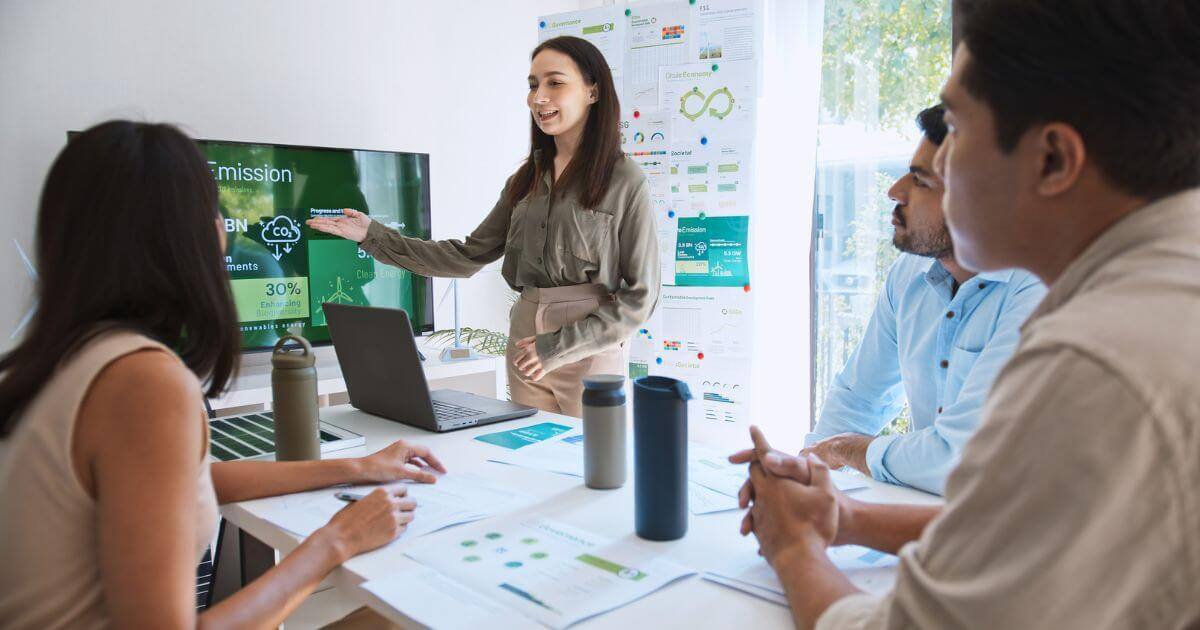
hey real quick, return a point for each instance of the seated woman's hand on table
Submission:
(398, 462)
(369, 523)
(381, 516)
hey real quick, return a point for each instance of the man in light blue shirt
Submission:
(938, 338)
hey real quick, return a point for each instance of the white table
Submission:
(711, 540)
(483, 376)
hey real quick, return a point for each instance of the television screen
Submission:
(281, 271)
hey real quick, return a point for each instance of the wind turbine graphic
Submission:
(32, 276)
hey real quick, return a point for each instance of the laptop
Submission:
(384, 377)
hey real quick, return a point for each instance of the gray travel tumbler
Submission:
(604, 431)
(294, 391)
(660, 457)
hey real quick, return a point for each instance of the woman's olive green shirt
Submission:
(554, 242)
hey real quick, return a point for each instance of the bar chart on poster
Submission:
(689, 77)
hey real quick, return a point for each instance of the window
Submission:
(882, 62)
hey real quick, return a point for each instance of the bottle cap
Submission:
(603, 390)
(603, 382)
(286, 358)
(662, 387)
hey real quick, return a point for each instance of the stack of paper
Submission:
(562, 454)
(544, 569)
(870, 570)
(452, 500)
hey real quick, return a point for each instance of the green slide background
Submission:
(391, 187)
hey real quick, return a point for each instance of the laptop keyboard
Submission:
(448, 411)
(250, 435)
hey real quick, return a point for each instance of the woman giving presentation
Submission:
(573, 225)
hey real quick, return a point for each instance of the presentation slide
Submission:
(281, 271)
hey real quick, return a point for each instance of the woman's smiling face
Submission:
(559, 96)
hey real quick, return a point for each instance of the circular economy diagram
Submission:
(695, 93)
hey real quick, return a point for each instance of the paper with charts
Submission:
(604, 27)
(454, 499)
(704, 339)
(547, 570)
(870, 570)
(562, 455)
(436, 601)
(723, 30)
(656, 35)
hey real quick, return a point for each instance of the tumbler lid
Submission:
(662, 387)
(603, 382)
(284, 357)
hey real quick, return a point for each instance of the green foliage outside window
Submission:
(882, 62)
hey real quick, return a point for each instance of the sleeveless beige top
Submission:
(50, 573)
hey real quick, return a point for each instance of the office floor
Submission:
(321, 608)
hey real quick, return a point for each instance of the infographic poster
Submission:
(691, 74)
(723, 30)
(646, 139)
(657, 35)
(704, 337)
(603, 26)
(709, 100)
(713, 252)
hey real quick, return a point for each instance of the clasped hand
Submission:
(793, 503)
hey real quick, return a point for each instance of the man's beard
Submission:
(929, 245)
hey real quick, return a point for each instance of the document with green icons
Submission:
(547, 570)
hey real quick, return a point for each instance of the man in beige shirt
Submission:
(1074, 153)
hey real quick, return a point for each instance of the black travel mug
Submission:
(660, 457)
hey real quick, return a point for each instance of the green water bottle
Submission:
(294, 392)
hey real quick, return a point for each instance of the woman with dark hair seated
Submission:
(105, 485)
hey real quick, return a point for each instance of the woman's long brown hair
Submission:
(599, 151)
(126, 238)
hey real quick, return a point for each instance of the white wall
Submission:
(445, 77)
(441, 76)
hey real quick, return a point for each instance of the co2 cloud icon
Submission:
(280, 231)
